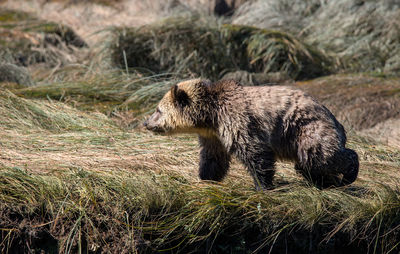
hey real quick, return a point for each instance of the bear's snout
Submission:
(156, 129)
(153, 126)
(147, 124)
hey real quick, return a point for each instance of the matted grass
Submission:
(79, 183)
(127, 97)
(164, 207)
(26, 115)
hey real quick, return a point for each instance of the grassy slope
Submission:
(75, 181)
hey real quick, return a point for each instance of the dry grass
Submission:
(363, 34)
(26, 115)
(200, 46)
(26, 40)
(73, 181)
(88, 17)
(124, 97)
(360, 101)
(150, 198)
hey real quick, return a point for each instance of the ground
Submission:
(78, 173)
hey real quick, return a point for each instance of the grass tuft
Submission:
(26, 40)
(363, 35)
(197, 46)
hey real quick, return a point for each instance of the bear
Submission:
(258, 125)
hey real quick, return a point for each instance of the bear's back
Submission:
(283, 111)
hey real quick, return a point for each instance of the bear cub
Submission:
(257, 125)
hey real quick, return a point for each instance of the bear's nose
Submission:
(145, 124)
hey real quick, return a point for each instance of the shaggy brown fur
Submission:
(258, 125)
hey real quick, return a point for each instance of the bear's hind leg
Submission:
(214, 160)
(318, 166)
(349, 165)
(261, 166)
(320, 148)
(319, 175)
(338, 170)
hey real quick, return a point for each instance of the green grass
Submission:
(14, 16)
(27, 115)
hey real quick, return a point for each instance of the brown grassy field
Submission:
(78, 173)
(76, 181)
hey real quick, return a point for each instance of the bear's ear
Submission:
(179, 96)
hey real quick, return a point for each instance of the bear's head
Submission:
(185, 108)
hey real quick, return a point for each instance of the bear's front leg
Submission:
(214, 160)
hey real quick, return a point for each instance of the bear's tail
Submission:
(350, 166)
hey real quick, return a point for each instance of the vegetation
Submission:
(26, 40)
(26, 115)
(87, 185)
(197, 46)
(127, 98)
(108, 195)
(363, 34)
(78, 173)
(15, 74)
(358, 101)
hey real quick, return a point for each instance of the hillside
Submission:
(79, 174)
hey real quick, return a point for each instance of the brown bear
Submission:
(257, 125)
